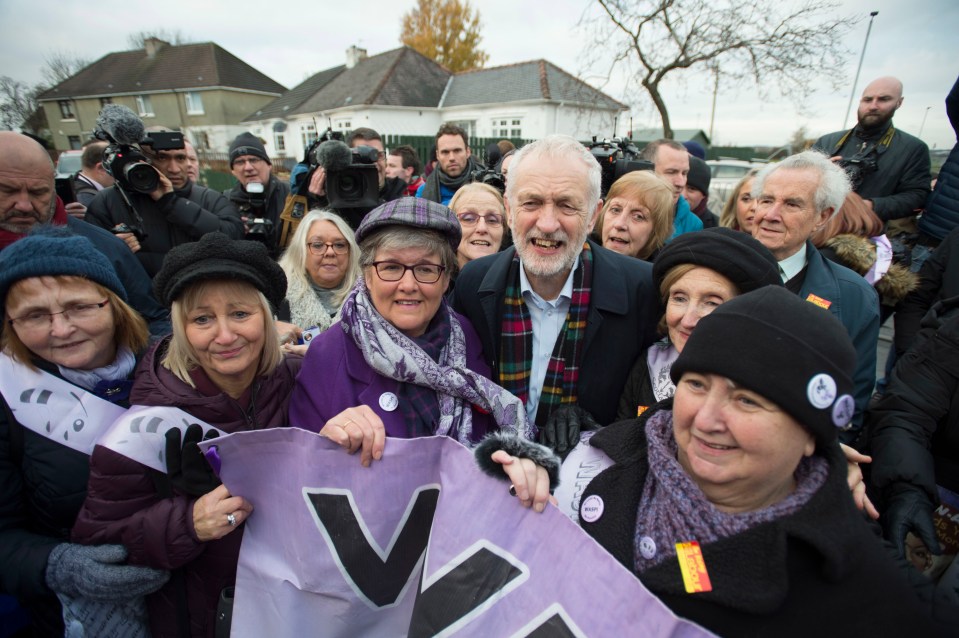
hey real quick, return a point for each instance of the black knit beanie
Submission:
(699, 176)
(216, 256)
(787, 350)
(247, 144)
(54, 250)
(734, 255)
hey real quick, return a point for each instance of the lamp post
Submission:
(923, 125)
(852, 94)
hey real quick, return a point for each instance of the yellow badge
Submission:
(693, 566)
(640, 409)
(819, 301)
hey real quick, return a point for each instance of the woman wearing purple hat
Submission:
(400, 362)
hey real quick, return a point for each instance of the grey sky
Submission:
(288, 41)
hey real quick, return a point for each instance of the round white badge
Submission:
(591, 509)
(821, 391)
(388, 401)
(647, 547)
(843, 410)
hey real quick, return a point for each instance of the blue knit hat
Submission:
(53, 250)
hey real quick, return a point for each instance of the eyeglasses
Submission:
(471, 219)
(423, 273)
(252, 161)
(319, 247)
(75, 313)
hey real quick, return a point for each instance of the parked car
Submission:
(68, 163)
(726, 173)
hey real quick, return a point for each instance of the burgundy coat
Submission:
(124, 504)
(335, 376)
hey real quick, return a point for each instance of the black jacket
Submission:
(900, 184)
(177, 218)
(914, 427)
(938, 280)
(942, 210)
(42, 486)
(274, 199)
(820, 571)
(623, 313)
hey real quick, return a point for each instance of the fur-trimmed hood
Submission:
(859, 254)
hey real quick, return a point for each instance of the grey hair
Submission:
(293, 261)
(399, 237)
(563, 147)
(833, 185)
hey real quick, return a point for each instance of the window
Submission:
(503, 127)
(194, 103)
(343, 125)
(66, 110)
(74, 142)
(203, 140)
(144, 106)
(280, 142)
(105, 100)
(308, 134)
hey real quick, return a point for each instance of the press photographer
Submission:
(153, 206)
(351, 178)
(259, 196)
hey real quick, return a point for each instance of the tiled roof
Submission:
(534, 80)
(184, 66)
(401, 77)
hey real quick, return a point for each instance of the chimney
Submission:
(152, 45)
(354, 55)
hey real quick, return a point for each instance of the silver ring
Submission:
(231, 519)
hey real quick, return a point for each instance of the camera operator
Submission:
(390, 188)
(259, 196)
(888, 168)
(176, 212)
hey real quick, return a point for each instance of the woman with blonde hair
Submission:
(636, 219)
(739, 210)
(321, 264)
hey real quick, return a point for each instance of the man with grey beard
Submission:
(561, 318)
(28, 199)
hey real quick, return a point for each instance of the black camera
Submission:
(357, 185)
(616, 157)
(857, 167)
(130, 168)
(489, 177)
(130, 228)
(126, 163)
(259, 229)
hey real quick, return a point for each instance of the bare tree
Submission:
(17, 103)
(60, 65)
(769, 43)
(138, 40)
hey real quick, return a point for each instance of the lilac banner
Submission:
(420, 544)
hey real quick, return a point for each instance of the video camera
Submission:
(616, 157)
(352, 177)
(122, 159)
(489, 177)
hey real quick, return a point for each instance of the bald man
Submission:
(28, 199)
(888, 168)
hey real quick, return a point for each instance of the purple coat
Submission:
(335, 376)
(124, 505)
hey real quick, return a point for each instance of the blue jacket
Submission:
(685, 220)
(855, 303)
(445, 193)
(942, 209)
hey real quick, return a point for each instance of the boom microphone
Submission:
(120, 125)
(333, 155)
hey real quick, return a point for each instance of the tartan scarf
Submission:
(395, 356)
(516, 347)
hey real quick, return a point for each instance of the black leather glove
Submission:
(909, 509)
(97, 572)
(561, 431)
(187, 467)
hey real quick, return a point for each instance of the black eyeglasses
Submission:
(319, 247)
(75, 313)
(471, 219)
(423, 273)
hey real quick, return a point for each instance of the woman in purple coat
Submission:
(222, 365)
(400, 361)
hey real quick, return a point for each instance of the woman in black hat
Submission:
(223, 365)
(694, 273)
(730, 502)
(400, 362)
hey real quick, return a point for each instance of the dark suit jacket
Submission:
(624, 309)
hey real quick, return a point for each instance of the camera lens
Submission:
(141, 177)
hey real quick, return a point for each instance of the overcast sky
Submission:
(915, 40)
